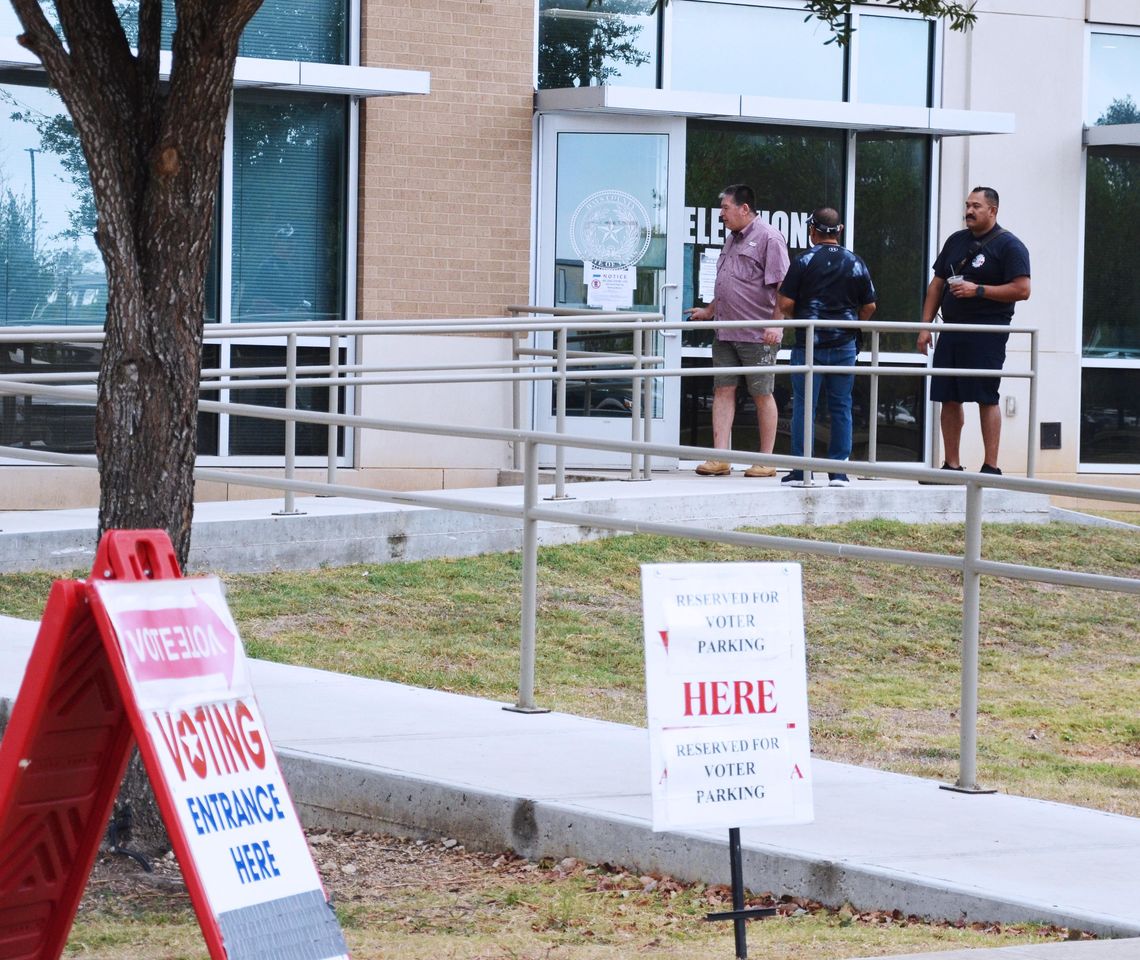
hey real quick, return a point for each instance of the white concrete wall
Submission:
(463, 404)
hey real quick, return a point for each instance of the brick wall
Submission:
(446, 179)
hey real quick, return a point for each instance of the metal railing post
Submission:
(516, 402)
(529, 601)
(1031, 462)
(290, 509)
(635, 398)
(809, 398)
(334, 405)
(971, 603)
(560, 418)
(873, 421)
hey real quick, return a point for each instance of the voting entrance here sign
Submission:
(139, 653)
(187, 674)
(726, 694)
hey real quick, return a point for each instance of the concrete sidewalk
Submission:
(369, 754)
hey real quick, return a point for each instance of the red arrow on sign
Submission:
(175, 643)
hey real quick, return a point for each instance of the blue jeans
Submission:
(839, 388)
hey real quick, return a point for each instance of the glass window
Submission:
(288, 207)
(52, 271)
(782, 54)
(288, 30)
(890, 226)
(1114, 79)
(1110, 416)
(252, 436)
(894, 60)
(583, 43)
(792, 170)
(611, 212)
(1111, 326)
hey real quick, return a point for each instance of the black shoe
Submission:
(945, 466)
(838, 480)
(986, 468)
(793, 477)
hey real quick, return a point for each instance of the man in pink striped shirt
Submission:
(748, 275)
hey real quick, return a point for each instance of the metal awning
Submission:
(1113, 135)
(636, 101)
(285, 75)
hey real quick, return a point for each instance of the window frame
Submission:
(1094, 363)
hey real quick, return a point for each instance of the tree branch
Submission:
(41, 39)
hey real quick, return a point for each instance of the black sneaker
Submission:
(838, 480)
(793, 477)
(945, 466)
(986, 468)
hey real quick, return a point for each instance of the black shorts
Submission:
(968, 351)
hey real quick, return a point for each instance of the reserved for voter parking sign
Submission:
(726, 694)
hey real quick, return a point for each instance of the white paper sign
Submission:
(726, 694)
(610, 287)
(706, 276)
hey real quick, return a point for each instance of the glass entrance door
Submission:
(610, 194)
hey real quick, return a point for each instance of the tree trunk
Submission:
(154, 156)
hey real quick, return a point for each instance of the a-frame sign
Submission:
(139, 653)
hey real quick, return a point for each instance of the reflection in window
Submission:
(250, 436)
(1114, 79)
(1112, 283)
(1110, 416)
(611, 210)
(894, 60)
(793, 170)
(288, 207)
(584, 43)
(51, 269)
(280, 30)
(785, 55)
(891, 200)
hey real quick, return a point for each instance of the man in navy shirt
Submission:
(980, 274)
(828, 282)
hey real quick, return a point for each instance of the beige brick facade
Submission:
(445, 181)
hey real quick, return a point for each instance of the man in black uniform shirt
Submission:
(980, 274)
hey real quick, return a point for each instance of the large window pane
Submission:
(890, 227)
(288, 207)
(584, 43)
(1114, 79)
(1112, 282)
(1110, 416)
(252, 436)
(51, 271)
(894, 61)
(298, 30)
(611, 213)
(783, 55)
(280, 30)
(792, 170)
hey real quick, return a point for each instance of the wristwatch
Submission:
(980, 292)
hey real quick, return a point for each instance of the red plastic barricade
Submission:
(140, 653)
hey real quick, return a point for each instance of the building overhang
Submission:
(286, 75)
(933, 121)
(1113, 135)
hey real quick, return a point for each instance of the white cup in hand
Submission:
(955, 279)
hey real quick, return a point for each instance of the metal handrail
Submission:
(530, 514)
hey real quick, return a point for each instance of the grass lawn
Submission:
(1060, 667)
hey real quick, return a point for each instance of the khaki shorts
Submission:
(745, 353)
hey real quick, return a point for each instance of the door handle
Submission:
(661, 299)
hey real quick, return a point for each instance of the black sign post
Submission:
(739, 914)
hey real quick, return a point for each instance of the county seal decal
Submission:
(610, 228)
